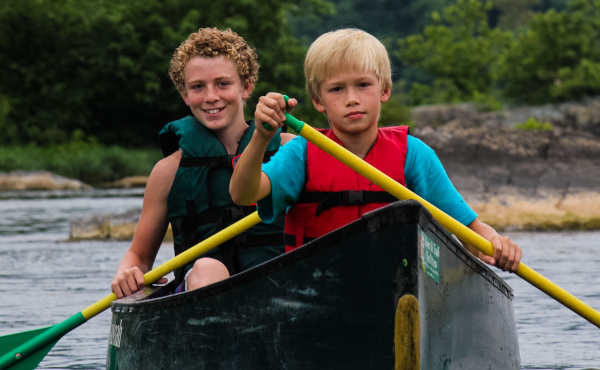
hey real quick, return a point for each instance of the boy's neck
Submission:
(358, 144)
(231, 136)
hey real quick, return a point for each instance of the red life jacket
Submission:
(335, 195)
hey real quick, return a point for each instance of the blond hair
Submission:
(345, 49)
(212, 42)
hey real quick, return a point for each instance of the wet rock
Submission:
(116, 226)
(38, 180)
(120, 226)
(487, 157)
(128, 182)
(576, 211)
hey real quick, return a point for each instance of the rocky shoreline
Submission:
(515, 179)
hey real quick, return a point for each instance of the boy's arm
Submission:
(150, 230)
(507, 254)
(248, 183)
(426, 176)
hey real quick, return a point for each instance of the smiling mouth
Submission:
(213, 111)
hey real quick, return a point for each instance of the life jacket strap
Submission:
(330, 199)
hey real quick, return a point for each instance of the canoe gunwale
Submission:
(369, 222)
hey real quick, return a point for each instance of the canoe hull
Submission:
(389, 291)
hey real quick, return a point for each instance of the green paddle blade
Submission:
(9, 342)
(30, 347)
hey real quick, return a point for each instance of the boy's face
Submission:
(352, 101)
(214, 92)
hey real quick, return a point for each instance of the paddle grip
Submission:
(266, 125)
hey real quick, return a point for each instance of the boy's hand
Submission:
(507, 254)
(129, 280)
(270, 112)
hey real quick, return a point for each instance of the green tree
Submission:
(382, 18)
(514, 14)
(100, 66)
(557, 58)
(458, 53)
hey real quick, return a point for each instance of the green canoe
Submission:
(392, 290)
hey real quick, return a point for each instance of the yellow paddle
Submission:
(461, 231)
(25, 350)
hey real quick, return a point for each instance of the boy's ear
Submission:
(318, 106)
(248, 91)
(184, 96)
(385, 95)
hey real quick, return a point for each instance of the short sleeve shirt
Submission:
(423, 173)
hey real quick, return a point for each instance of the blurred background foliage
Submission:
(95, 72)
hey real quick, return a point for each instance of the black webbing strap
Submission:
(222, 161)
(218, 215)
(330, 199)
(246, 240)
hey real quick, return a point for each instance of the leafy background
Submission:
(94, 73)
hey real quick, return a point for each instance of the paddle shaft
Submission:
(54, 333)
(461, 231)
(182, 259)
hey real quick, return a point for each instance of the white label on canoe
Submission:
(115, 334)
(430, 256)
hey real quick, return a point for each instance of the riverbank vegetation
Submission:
(100, 66)
(85, 160)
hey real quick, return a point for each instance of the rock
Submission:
(517, 179)
(39, 180)
(128, 182)
(119, 226)
(579, 211)
(487, 157)
(441, 114)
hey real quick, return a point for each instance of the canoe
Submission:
(392, 290)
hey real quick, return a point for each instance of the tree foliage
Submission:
(557, 58)
(382, 18)
(100, 66)
(458, 52)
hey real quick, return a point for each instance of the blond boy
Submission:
(348, 77)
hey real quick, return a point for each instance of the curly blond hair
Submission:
(345, 49)
(212, 42)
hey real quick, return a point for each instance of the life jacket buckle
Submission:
(354, 197)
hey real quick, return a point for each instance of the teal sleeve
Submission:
(286, 171)
(425, 175)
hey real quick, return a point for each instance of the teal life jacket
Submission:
(199, 203)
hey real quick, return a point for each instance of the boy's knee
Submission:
(206, 271)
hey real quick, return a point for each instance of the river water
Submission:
(44, 280)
